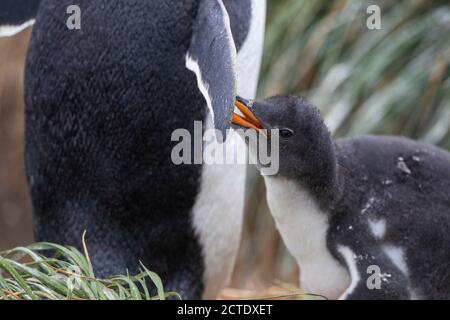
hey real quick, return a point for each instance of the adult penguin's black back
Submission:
(98, 148)
(101, 105)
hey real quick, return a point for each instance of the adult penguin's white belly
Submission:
(218, 211)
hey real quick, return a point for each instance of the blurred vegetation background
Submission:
(390, 81)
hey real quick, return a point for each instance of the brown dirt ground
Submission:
(15, 209)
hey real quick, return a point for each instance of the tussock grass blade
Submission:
(68, 275)
(133, 292)
(6, 265)
(157, 281)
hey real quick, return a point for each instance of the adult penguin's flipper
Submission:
(16, 15)
(212, 57)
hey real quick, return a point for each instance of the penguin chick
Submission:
(366, 217)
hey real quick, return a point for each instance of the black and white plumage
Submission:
(101, 105)
(16, 16)
(344, 205)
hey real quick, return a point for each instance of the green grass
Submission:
(27, 274)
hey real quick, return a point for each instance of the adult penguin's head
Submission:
(212, 57)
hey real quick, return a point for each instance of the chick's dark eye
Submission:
(286, 133)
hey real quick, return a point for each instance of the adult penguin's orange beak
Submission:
(247, 119)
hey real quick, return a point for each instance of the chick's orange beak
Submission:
(248, 120)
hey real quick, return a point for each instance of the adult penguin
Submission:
(102, 101)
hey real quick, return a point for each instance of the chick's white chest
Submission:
(303, 227)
